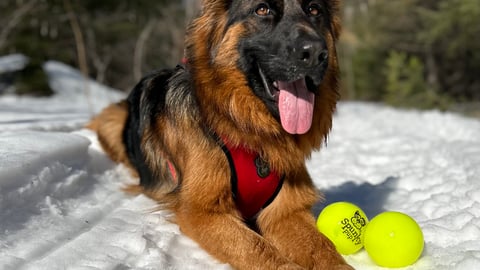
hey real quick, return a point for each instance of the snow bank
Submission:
(12, 63)
(75, 100)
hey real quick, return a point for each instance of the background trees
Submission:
(120, 38)
(414, 53)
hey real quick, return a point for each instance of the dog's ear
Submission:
(206, 31)
(335, 18)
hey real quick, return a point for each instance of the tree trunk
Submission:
(140, 48)
(81, 51)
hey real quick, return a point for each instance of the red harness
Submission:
(254, 185)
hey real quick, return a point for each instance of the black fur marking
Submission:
(152, 89)
(164, 93)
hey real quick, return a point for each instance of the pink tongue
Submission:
(295, 104)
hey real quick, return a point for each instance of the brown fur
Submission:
(109, 127)
(285, 236)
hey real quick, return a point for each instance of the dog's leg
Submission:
(296, 236)
(289, 225)
(228, 239)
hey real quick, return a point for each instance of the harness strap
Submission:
(254, 184)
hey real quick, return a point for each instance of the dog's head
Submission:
(286, 55)
(269, 66)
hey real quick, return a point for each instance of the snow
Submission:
(62, 207)
(425, 164)
(75, 100)
(12, 62)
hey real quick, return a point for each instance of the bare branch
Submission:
(81, 51)
(140, 48)
(15, 20)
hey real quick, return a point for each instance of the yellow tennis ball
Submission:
(344, 224)
(393, 239)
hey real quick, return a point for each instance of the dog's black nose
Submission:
(311, 54)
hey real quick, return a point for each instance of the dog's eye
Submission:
(314, 10)
(263, 10)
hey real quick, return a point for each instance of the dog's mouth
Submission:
(294, 100)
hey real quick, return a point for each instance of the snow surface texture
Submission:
(61, 204)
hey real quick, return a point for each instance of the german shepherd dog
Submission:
(221, 141)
